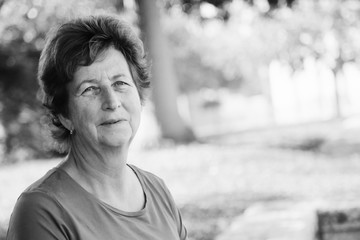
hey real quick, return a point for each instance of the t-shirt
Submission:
(57, 207)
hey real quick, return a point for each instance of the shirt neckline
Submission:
(106, 205)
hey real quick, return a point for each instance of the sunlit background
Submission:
(255, 108)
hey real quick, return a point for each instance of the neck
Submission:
(106, 176)
(95, 164)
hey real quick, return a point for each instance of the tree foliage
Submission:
(237, 51)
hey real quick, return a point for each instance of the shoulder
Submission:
(39, 212)
(145, 175)
(161, 197)
(48, 183)
(40, 197)
(152, 182)
(35, 203)
(155, 186)
(35, 215)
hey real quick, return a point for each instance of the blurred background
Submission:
(253, 102)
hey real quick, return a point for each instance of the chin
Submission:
(116, 142)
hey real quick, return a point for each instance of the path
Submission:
(274, 221)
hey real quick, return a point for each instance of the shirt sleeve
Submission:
(37, 216)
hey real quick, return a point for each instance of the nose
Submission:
(110, 100)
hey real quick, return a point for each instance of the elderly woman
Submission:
(93, 75)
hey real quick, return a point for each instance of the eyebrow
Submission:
(118, 76)
(93, 80)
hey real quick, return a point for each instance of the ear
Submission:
(66, 122)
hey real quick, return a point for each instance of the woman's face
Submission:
(104, 104)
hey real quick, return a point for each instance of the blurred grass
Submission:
(215, 182)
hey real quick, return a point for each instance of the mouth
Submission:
(111, 122)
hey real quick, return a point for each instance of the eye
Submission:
(90, 90)
(120, 84)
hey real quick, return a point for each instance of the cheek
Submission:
(135, 112)
(137, 107)
(82, 115)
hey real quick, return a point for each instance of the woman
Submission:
(93, 76)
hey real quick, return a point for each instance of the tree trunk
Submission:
(337, 97)
(165, 88)
(266, 90)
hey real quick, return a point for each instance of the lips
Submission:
(111, 121)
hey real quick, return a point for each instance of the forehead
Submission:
(109, 63)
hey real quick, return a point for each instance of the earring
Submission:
(71, 132)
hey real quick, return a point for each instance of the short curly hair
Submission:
(76, 43)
